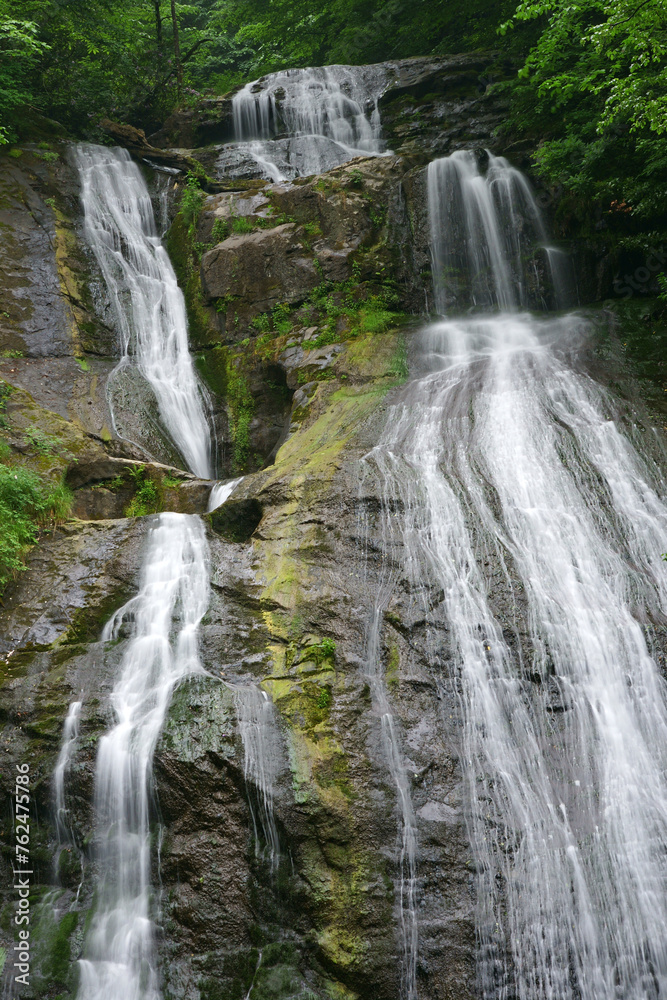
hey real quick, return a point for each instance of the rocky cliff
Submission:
(302, 299)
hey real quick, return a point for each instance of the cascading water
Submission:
(487, 237)
(119, 960)
(256, 725)
(148, 305)
(541, 521)
(407, 895)
(67, 747)
(221, 492)
(306, 121)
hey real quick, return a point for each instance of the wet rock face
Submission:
(261, 269)
(436, 105)
(295, 561)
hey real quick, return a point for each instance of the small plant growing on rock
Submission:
(241, 225)
(262, 323)
(146, 499)
(43, 443)
(220, 231)
(191, 201)
(281, 318)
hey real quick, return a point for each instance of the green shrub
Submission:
(147, 499)
(27, 504)
(43, 443)
(241, 225)
(220, 231)
(191, 201)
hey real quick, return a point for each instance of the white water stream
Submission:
(305, 121)
(148, 305)
(541, 519)
(256, 725)
(119, 952)
(67, 747)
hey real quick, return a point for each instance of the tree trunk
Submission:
(158, 26)
(177, 48)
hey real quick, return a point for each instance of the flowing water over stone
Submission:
(221, 492)
(515, 476)
(148, 305)
(257, 728)
(306, 121)
(489, 244)
(67, 747)
(119, 960)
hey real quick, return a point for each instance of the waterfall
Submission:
(119, 959)
(485, 230)
(221, 492)
(255, 714)
(540, 519)
(305, 121)
(147, 304)
(67, 747)
(407, 896)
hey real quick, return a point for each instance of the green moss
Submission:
(391, 673)
(184, 257)
(52, 950)
(237, 973)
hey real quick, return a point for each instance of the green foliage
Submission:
(27, 504)
(240, 224)
(281, 318)
(241, 407)
(284, 33)
(262, 323)
(192, 200)
(593, 88)
(20, 50)
(220, 231)
(43, 443)
(146, 499)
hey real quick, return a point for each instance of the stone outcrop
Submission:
(295, 292)
(288, 571)
(261, 269)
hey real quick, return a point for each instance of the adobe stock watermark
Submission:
(22, 872)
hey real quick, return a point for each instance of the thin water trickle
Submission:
(256, 725)
(407, 866)
(67, 747)
(119, 950)
(148, 305)
(542, 521)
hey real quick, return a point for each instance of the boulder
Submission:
(260, 270)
